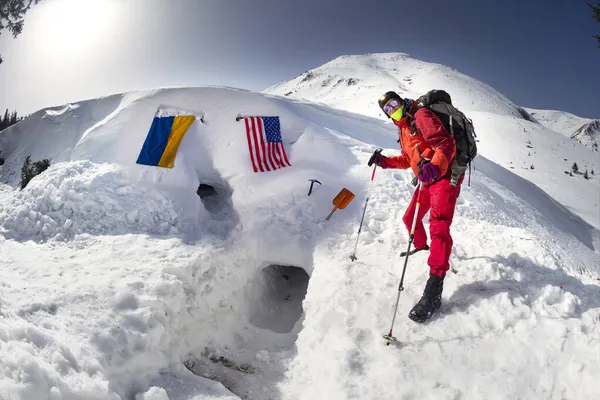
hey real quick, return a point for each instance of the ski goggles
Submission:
(390, 106)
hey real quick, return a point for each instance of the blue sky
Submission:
(540, 54)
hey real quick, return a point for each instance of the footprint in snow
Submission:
(379, 215)
(398, 176)
(376, 227)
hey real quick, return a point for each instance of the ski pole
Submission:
(389, 338)
(353, 255)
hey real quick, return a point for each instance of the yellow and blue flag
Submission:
(163, 140)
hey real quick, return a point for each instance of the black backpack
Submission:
(455, 122)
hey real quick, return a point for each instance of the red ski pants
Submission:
(440, 199)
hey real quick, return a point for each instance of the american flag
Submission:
(264, 144)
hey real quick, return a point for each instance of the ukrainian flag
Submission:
(163, 140)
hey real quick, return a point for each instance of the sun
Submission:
(69, 26)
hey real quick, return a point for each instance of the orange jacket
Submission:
(434, 141)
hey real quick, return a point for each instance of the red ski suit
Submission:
(438, 196)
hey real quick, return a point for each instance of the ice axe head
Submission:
(312, 182)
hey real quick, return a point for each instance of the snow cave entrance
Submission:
(214, 201)
(216, 198)
(276, 297)
(266, 327)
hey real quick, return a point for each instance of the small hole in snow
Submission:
(217, 201)
(211, 199)
(276, 297)
(205, 190)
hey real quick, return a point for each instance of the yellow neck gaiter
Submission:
(398, 114)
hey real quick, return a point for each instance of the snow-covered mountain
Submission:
(584, 130)
(355, 82)
(120, 282)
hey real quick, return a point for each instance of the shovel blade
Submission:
(343, 198)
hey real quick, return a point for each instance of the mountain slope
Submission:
(588, 134)
(558, 121)
(584, 130)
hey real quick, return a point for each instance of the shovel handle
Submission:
(331, 213)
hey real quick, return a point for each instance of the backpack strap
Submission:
(411, 118)
(413, 124)
(469, 174)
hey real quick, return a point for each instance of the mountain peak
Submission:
(344, 81)
(588, 134)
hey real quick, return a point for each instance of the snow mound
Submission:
(78, 197)
(52, 133)
(5, 190)
(35, 365)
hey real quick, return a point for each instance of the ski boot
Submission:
(430, 301)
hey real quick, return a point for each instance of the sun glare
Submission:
(70, 26)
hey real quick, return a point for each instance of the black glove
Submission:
(377, 158)
(415, 181)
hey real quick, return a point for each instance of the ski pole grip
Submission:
(375, 155)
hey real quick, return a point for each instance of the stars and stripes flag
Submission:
(264, 144)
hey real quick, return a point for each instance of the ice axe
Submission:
(312, 182)
(343, 198)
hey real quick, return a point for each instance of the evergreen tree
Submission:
(9, 119)
(31, 169)
(575, 168)
(4, 120)
(12, 13)
(26, 172)
(586, 176)
(41, 166)
(596, 10)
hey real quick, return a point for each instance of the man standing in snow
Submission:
(429, 152)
